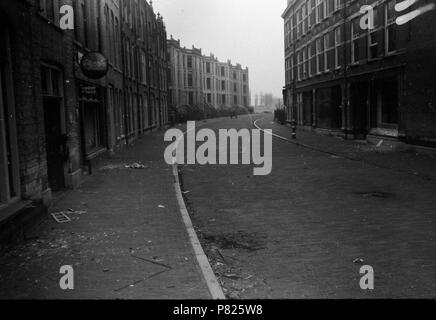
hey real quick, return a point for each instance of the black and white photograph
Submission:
(239, 151)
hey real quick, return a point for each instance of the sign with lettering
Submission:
(94, 65)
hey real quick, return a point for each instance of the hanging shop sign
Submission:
(94, 65)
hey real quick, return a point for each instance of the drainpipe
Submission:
(123, 66)
(345, 66)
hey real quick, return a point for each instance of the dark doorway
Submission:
(336, 111)
(55, 143)
(359, 106)
(308, 108)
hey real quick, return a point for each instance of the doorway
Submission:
(55, 143)
(359, 105)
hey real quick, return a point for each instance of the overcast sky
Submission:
(249, 32)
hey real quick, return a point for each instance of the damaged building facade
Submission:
(374, 83)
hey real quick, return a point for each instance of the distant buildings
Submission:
(360, 83)
(267, 102)
(202, 81)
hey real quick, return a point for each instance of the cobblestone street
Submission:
(297, 232)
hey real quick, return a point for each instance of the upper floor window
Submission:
(319, 55)
(373, 42)
(391, 27)
(326, 53)
(338, 42)
(338, 4)
(355, 28)
(189, 62)
(319, 14)
(304, 18)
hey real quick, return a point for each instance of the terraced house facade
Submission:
(202, 81)
(56, 121)
(362, 83)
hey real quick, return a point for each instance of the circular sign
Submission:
(94, 65)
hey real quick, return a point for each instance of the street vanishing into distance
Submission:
(328, 207)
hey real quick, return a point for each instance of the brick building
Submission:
(132, 98)
(200, 80)
(372, 83)
(37, 105)
(55, 120)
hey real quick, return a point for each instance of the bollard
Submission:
(294, 129)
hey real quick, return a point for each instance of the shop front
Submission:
(93, 122)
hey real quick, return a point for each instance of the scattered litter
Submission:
(359, 261)
(135, 165)
(218, 264)
(380, 143)
(249, 277)
(106, 270)
(161, 206)
(79, 212)
(60, 217)
(232, 276)
(186, 192)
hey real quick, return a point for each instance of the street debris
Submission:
(135, 165)
(380, 143)
(79, 212)
(161, 206)
(61, 217)
(232, 276)
(186, 192)
(358, 261)
(140, 281)
(150, 261)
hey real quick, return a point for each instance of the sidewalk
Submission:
(421, 165)
(126, 239)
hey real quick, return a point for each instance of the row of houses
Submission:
(363, 83)
(203, 81)
(56, 119)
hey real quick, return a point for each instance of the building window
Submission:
(338, 4)
(319, 56)
(208, 67)
(338, 42)
(309, 13)
(304, 18)
(292, 67)
(223, 72)
(319, 15)
(310, 58)
(190, 80)
(372, 38)
(300, 65)
(189, 62)
(326, 49)
(355, 40)
(209, 98)
(244, 77)
(223, 85)
(391, 27)
(299, 23)
(305, 62)
(223, 99)
(208, 83)
(235, 89)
